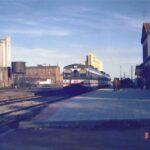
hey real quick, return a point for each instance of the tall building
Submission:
(5, 61)
(5, 52)
(143, 70)
(91, 60)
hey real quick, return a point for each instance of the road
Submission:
(101, 119)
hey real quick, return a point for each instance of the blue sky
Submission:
(65, 31)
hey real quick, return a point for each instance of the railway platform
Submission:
(96, 108)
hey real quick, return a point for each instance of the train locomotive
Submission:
(85, 76)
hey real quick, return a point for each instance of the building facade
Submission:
(143, 70)
(5, 52)
(5, 76)
(5, 61)
(145, 40)
(91, 60)
(42, 73)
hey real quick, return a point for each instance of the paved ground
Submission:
(99, 105)
(102, 119)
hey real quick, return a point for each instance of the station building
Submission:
(143, 70)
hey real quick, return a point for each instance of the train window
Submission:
(67, 75)
(83, 75)
(75, 73)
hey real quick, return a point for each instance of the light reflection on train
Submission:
(87, 76)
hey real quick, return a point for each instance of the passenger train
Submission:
(86, 76)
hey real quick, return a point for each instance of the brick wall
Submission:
(44, 72)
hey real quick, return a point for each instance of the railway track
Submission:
(10, 118)
(14, 111)
(39, 102)
(11, 101)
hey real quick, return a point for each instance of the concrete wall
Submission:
(4, 77)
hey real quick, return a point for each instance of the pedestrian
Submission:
(118, 84)
(114, 85)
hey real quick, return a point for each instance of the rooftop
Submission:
(145, 31)
(147, 27)
(41, 66)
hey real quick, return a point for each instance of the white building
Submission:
(5, 52)
(5, 60)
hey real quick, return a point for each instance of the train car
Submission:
(86, 76)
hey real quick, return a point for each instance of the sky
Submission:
(62, 32)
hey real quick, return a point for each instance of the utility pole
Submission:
(124, 74)
(44, 71)
(120, 72)
(131, 72)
